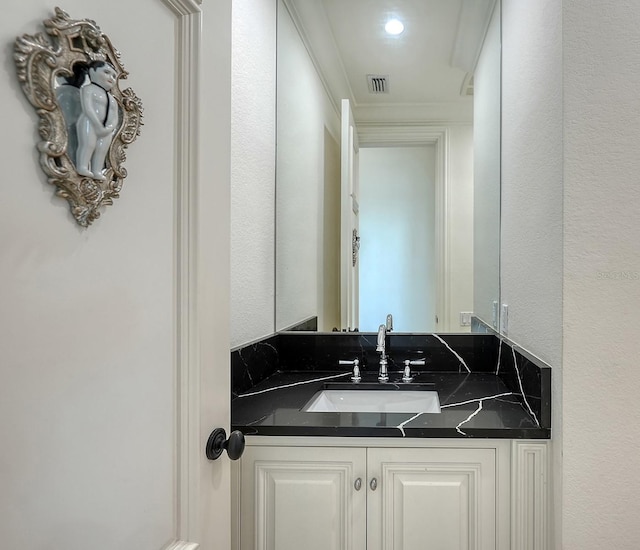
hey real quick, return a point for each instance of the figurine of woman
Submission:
(97, 121)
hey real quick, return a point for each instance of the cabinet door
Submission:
(306, 497)
(431, 499)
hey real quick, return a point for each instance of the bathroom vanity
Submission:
(474, 475)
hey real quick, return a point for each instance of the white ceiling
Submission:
(428, 66)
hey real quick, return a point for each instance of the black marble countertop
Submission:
(474, 404)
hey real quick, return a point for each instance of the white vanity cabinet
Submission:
(296, 493)
(434, 498)
(302, 498)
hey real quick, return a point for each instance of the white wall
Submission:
(297, 262)
(531, 240)
(305, 117)
(532, 211)
(253, 170)
(571, 260)
(397, 231)
(461, 231)
(601, 347)
(486, 173)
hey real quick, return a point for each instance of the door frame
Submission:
(202, 212)
(187, 438)
(349, 225)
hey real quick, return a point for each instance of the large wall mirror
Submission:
(410, 226)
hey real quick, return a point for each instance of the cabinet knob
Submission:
(373, 484)
(218, 442)
(358, 484)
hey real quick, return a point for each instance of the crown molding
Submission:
(475, 16)
(310, 20)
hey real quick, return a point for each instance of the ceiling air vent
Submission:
(378, 84)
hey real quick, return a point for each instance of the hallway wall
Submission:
(601, 72)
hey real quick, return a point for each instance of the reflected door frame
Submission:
(349, 219)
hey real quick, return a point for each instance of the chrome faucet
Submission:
(356, 369)
(383, 374)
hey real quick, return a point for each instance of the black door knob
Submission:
(218, 442)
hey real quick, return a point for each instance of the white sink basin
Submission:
(374, 401)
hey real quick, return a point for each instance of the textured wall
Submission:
(531, 251)
(531, 240)
(252, 170)
(601, 280)
(595, 436)
(303, 210)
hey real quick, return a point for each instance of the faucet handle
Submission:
(356, 369)
(406, 377)
(389, 323)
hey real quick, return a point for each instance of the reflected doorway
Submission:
(398, 237)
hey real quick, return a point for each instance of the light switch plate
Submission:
(465, 318)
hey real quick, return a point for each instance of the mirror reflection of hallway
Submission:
(310, 89)
(397, 229)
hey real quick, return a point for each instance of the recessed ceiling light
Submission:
(394, 26)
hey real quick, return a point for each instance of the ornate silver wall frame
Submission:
(86, 122)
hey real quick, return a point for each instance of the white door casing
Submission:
(349, 277)
(203, 38)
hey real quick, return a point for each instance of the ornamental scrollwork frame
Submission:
(70, 74)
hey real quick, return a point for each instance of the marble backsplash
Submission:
(524, 375)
